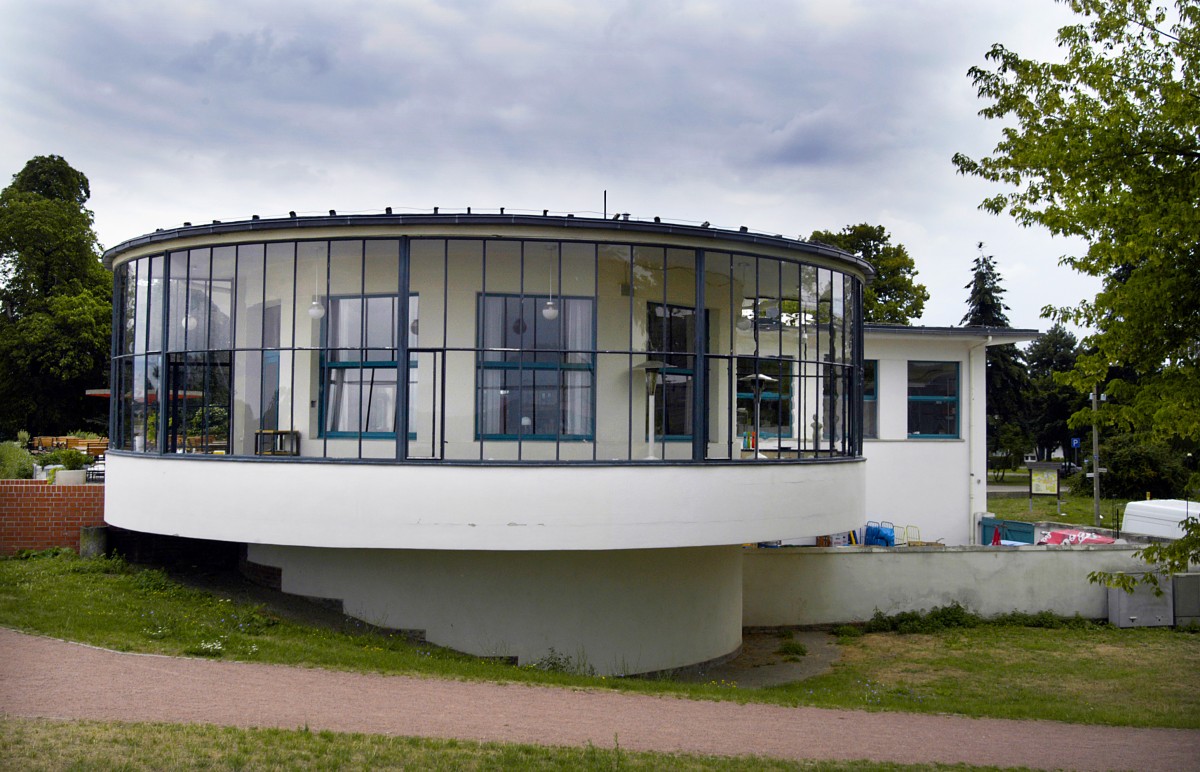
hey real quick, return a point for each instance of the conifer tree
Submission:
(1007, 380)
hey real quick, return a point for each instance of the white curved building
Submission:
(513, 433)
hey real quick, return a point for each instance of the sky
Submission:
(784, 117)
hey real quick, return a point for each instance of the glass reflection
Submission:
(535, 350)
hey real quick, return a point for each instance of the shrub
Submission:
(1136, 466)
(957, 616)
(954, 615)
(84, 435)
(16, 463)
(1043, 619)
(848, 631)
(70, 458)
(909, 622)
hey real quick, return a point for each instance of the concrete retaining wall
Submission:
(617, 611)
(35, 515)
(818, 586)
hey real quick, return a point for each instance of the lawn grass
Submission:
(1011, 477)
(1088, 675)
(1076, 510)
(1094, 674)
(42, 744)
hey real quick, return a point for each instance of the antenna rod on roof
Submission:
(606, 204)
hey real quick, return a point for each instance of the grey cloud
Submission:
(246, 55)
(668, 84)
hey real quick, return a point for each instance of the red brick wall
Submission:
(36, 516)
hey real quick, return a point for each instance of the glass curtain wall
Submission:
(510, 350)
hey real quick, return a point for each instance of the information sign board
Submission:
(1043, 482)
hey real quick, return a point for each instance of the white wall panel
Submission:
(479, 507)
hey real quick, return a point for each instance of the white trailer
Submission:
(1158, 517)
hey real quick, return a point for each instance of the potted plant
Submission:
(70, 466)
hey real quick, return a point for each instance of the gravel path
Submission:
(42, 677)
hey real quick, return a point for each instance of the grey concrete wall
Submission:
(814, 586)
(616, 611)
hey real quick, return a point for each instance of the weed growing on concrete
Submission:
(792, 649)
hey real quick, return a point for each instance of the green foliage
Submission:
(1008, 439)
(1007, 445)
(211, 419)
(1162, 561)
(1042, 619)
(50, 176)
(984, 306)
(1139, 466)
(792, 649)
(1105, 148)
(1052, 402)
(935, 620)
(55, 302)
(16, 463)
(1053, 352)
(70, 458)
(956, 617)
(848, 632)
(47, 248)
(894, 297)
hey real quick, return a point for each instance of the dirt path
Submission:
(42, 677)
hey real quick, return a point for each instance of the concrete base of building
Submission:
(612, 612)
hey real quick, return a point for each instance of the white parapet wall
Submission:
(614, 612)
(482, 506)
(820, 586)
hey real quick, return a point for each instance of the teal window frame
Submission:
(687, 374)
(927, 395)
(559, 366)
(870, 398)
(774, 396)
(328, 366)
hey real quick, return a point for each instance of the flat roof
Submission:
(742, 236)
(1000, 335)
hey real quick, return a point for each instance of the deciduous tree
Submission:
(1105, 145)
(894, 297)
(55, 302)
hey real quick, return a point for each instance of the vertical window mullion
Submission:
(560, 397)
(531, 327)
(700, 363)
(363, 305)
(327, 328)
(481, 342)
(403, 360)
